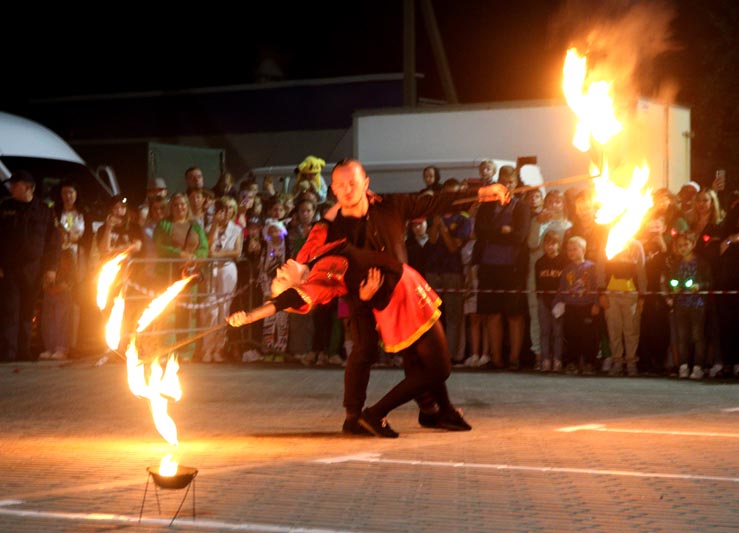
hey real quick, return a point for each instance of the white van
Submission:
(25, 144)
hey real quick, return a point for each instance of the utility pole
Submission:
(437, 47)
(409, 53)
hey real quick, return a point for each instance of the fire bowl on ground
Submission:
(181, 479)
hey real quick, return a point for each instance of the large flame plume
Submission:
(592, 102)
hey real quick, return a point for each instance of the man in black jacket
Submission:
(379, 224)
(29, 255)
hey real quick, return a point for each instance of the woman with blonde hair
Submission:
(225, 240)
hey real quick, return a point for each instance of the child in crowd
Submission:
(548, 273)
(688, 274)
(654, 337)
(274, 253)
(551, 216)
(303, 328)
(625, 276)
(478, 334)
(577, 300)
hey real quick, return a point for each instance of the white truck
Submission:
(395, 145)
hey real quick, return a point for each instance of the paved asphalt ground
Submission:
(547, 453)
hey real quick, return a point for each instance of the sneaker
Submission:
(484, 361)
(697, 372)
(322, 359)
(572, 369)
(537, 363)
(278, 358)
(684, 371)
(207, 358)
(588, 370)
(452, 420)
(377, 426)
(557, 365)
(335, 360)
(546, 365)
(715, 370)
(352, 427)
(308, 358)
(58, 355)
(250, 356)
(396, 361)
(44, 355)
(607, 364)
(631, 370)
(472, 361)
(218, 358)
(616, 369)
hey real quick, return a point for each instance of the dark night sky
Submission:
(497, 50)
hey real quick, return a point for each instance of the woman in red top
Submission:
(405, 308)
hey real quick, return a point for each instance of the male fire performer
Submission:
(405, 308)
(377, 223)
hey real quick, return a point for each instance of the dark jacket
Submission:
(382, 229)
(29, 236)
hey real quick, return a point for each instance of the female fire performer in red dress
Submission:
(406, 310)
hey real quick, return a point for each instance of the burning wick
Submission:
(168, 466)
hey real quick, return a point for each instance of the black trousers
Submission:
(19, 290)
(427, 366)
(581, 334)
(363, 355)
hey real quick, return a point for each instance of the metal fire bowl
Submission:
(183, 477)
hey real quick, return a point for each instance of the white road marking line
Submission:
(580, 428)
(602, 427)
(5, 503)
(347, 458)
(377, 458)
(197, 524)
(731, 410)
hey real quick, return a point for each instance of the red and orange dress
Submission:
(405, 306)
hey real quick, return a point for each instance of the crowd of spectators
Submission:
(525, 285)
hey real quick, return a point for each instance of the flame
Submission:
(621, 207)
(135, 370)
(637, 200)
(168, 466)
(161, 386)
(159, 303)
(594, 107)
(113, 326)
(108, 273)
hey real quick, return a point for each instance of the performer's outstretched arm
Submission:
(242, 318)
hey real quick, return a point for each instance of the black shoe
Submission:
(378, 427)
(428, 420)
(451, 420)
(352, 427)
